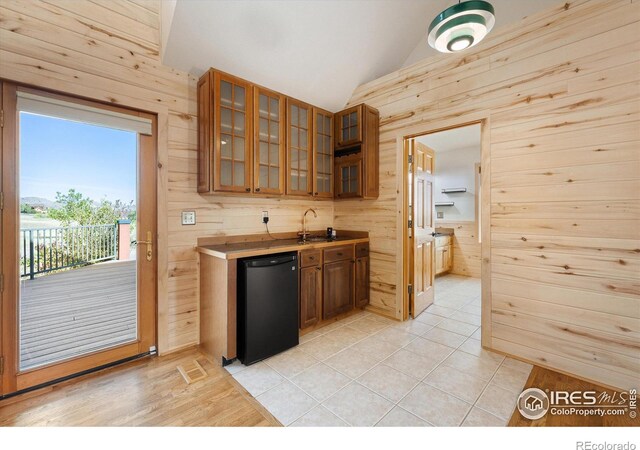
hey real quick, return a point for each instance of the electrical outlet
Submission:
(265, 216)
(188, 217)
(440, 214)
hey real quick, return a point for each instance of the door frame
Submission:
(11, 380)
(403, 265)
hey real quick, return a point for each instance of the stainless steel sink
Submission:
(312, 239)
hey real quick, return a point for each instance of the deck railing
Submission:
(45, 250)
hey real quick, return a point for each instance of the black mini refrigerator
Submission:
(267, 306)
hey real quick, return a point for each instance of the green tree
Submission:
(77, 209)
(27, 209)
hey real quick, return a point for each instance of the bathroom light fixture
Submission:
(461, 26)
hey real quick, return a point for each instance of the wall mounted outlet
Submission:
(440, 214)
(188, 217)
(265, 216)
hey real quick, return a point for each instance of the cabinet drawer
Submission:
(338, 253)
(310, 258)
(362, 249)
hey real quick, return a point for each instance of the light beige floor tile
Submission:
(286, 402)
(368, 325)
(429, 319)
(388, 382)
(459, 384)
(444, 337)
(258, 378)
(322, 348)
(411, 364)
(472, 309)
(395, 336)
(510, 379)
(472, 346)
(331, 327)
(518, 365)
(465, 317)
(235, 367)
(477, 334)
(413, 326)
(456, 326)
(440, 310)
(346, 335)
(430, 349)
(319, 417)
(292, 362)
(351, 362)
(479, 418)
(320, 381)
(472, 365)
(358, 406)
(498, 401)
(435, 406)
(399, 417)
(309, 336)
(381, 319)
(376, 348)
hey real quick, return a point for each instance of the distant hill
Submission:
(39, 203)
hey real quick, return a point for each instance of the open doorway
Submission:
(443, 245)
(79, 191)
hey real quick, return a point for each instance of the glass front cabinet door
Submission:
(348, 178)
(268, 153)
(323, 153)
(232, 143)
(348, 127)
(299, 147)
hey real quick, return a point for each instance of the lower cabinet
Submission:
(333, 281)
(362, 281)
(310, 295)
(338, 288)
(444, 254)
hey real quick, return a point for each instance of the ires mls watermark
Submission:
(534, 403)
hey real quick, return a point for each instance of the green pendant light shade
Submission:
(461, 26)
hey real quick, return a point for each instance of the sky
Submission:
(58, 155)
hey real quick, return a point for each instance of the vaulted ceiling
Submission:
(316, 50)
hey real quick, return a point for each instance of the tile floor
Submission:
(368, 370)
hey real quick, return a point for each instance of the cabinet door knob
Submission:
(312, 257)
(318, 268)
(315, 193)
(248, 189)
(257, 189)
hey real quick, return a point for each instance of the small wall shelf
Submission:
(445, 203)
(453, 190)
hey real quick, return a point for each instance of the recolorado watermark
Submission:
(588, 445)
(534, 403)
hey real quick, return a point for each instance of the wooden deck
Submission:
(79, 311)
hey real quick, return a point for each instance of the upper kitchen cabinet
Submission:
(348, 127)
(322, 153)
(269, 147)
(356, 153)
(299, 148)
(225, 133)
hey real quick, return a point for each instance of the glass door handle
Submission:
(149, 244)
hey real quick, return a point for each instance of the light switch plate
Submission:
(188, 217)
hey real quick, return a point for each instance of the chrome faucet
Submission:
(304, 234)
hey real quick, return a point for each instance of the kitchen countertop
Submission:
(444, 231)
(235, 250)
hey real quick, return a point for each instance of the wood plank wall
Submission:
(109, 51)
(466, 248)
(561, 92)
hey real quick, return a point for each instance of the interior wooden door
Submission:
(422, 168)
(22, 372)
